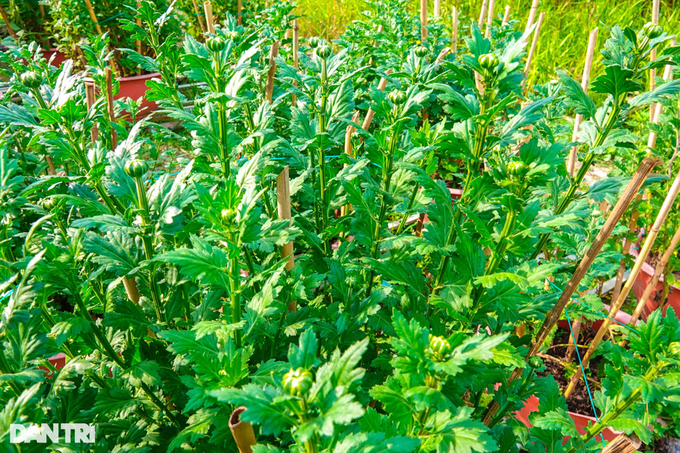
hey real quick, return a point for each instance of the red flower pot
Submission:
(58, 361)
(621, 317)
(135, 87)
(582, 421)
(641, 281)
(59, 57)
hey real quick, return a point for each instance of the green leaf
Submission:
(303, 356)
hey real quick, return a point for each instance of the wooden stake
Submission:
(109, 104)
(139, 24)
(131, 289)
(93, 16)
(437, 8)
(616, 305)
(198, 15)
(656, 4)
(506, 15)
(370, 113)
(534, 42)
(658, 271)
(656, 112)
(209, 20)
(532, 15)
(296, 47)
(585, 81)
(623, 444)
(239, 12)
(91, 97)
(482, 14)
(632, 227)
(283, 202)
(423, 20)
(454, 30)
(269, 91)
(489, 18)
(5, 19)
(346, 209)
(242, 431)
(551, 318)
(576, 329)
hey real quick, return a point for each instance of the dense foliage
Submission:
(156, 266)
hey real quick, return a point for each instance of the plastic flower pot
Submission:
(581, 421)
(621, 317)
(135, 87)
(59, 57)
(641, 281)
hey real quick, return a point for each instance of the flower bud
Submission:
(314, 42)
(439, 346)
(674, 348)
(516, 168)
(651, 30)
(324, 51)
(215, 44)
(297, 382)
(535, 362)
(231, 34)
(31, 79)
(488, 62)
(421, 51)
(397, 97)
(136, 168)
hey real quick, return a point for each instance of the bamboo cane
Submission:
(585, 81)
(242, 431)
(93, 16)
(454, 30)
(532, 50)
(198, 15)
(623, 444)
(109, 105)
(532, 15)
(489, 18)
(209, 20)
(658, 271)
(482, 14)
(8, 25)
(90, 98)
(656, 114)
(632, 227)
(656, 4)
(283, 202)
(346, 209)
(139, 24)
(437, 8)
(370, 112)
(506, 15)
(296, 47)
(131, 289)
(423, 20)
(571, 344)
(551, 318)
(269, 91)
(616, 305)
(239, 12)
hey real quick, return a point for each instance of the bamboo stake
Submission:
(93, 16)
(437, 8)
(91, 97)
(269, 91)
(423, 20)
(532, 15)
(506, 15)
(370, 113)
(658, 271)
(656, 4)
(585, 81)
(482, 14)
(632, 227)
(554, 314)
(656, 113)
(131, 289)
(296, 47)
(489, 18)
(109, 104)
(623, 444)
(139, 24)
(209, 20)
(5, 19)
(616, 305)
(239, 12)
(534, 43)
(454, 30)
(576, 329)
(198, 15)
(242, 431)
(283, 202)
(350, 152)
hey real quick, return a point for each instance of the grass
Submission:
(563, 38)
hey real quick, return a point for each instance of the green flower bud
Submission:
(674, 348)
(440, 346)
(48, 203)
(397, 97)
(314, 42)
(31, 79)
(324, 51)
(215, 44)
(535, 362)
(421, 51)
(228, 215)
(516, 168)
(488, 62)
(651, 30)
(232, 34)
(297, 382)
(136, 168)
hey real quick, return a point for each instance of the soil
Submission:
(667, 445)
(579, 401)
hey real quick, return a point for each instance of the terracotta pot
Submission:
(135, 87)
(59, 57)
(58, 361)
(622, 317)
(582, 421)
(643, 278)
